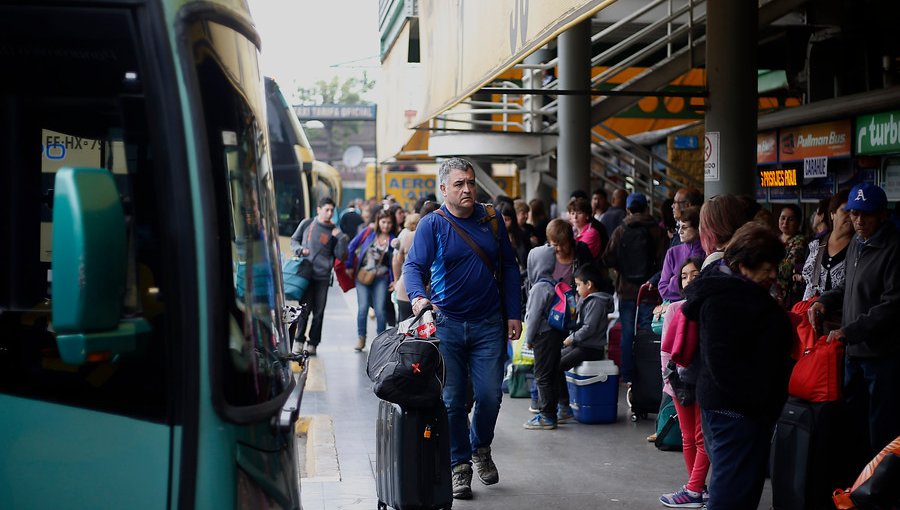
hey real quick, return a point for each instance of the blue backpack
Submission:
(562, 314)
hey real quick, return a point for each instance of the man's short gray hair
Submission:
(452, 164)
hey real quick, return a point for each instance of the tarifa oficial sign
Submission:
(778, 177)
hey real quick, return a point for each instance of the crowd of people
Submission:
(725, 264)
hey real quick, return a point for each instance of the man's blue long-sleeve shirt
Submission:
(462, 287)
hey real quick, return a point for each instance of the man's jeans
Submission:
(872, 389)
(626, 318)
(316, 297)
(738, 451)
(476, 349)
(374, 295)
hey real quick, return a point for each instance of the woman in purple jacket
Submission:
(689, 248)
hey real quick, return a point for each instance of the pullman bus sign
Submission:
(335, 112)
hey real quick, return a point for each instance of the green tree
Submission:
(335, 91)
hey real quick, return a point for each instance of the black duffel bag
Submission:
(406, 370)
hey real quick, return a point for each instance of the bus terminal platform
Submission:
(576, 466)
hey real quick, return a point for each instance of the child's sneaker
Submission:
(535, 407)
(564, 414)
(682, 499)
(540, 422)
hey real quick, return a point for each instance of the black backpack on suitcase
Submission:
(406, 370)
(412, 461)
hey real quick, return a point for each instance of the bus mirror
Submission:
(89, 267)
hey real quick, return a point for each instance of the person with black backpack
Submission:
(636, 250)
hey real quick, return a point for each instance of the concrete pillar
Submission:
(731, 39)
(573, 153)
(530, 175)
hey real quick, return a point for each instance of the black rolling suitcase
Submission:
(807, 461)
(645, 395)
(412, 461)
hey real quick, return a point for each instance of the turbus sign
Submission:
(878, 133)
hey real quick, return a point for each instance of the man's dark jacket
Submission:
(870, 296)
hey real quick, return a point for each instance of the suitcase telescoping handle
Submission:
(643, 292)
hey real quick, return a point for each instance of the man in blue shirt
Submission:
(475, 293)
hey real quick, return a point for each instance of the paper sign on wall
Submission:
(711, 157)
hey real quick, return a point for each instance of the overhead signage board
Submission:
(827, 139)
(711, 157)
(878, 133)
(778, 177)
(766, 148)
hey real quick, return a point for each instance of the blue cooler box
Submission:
(594, 391)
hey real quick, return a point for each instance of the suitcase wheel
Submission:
(634, 417)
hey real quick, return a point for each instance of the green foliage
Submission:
(334, 91)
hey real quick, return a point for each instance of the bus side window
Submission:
(251, 359)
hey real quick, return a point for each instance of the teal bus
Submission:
(136, 184)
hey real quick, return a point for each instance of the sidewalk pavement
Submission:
(574, 467)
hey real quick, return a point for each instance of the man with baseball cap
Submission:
(869, 302)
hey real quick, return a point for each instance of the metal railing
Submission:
(666, 27)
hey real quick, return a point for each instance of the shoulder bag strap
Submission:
(817, 267)
(468, 239)
(309, 229)
(491, 216)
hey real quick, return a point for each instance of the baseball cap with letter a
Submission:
(866, 197)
